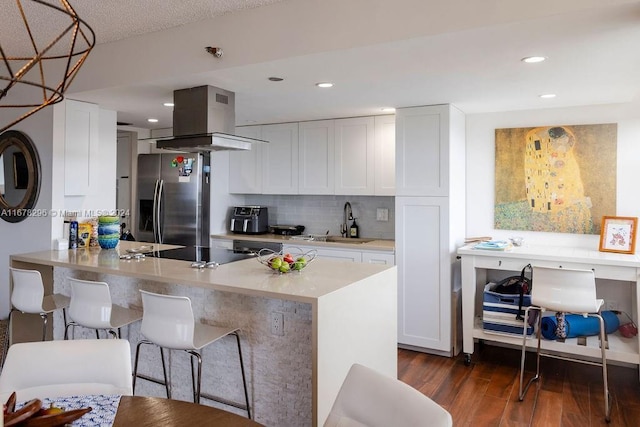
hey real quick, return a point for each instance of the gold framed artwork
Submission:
(618, 234)
(555, 178)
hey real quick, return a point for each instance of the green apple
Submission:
(284, 267)
(299, 263)
(276, 263)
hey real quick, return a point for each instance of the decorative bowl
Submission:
(108, 241)
(108, 231)
(285, 262)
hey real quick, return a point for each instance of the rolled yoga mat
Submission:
(579, 326)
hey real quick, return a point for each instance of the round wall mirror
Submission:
(19, 176)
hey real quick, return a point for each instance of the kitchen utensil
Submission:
(287, 230)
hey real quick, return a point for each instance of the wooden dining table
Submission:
(141, 411)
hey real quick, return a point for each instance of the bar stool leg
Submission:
(135, 367)
(44, 318)
(523, 392)
(164, 369)
(196, 383)
(66, 329)
(603, 346)
(244, 380)
(164, 372)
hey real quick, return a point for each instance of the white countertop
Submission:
(321, 277)
(558, 253)
(374, 245)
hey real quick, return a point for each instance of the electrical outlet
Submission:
(382, 214)
(277, 323)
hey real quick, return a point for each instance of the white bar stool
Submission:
(168, 322)
(91, 307)
(28, 297)
(569, 291)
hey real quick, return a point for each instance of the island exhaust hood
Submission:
(204, 120)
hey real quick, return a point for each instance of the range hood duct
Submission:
(204, 119)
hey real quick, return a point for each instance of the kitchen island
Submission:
(335, 314)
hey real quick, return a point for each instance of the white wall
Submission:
(34, 233)
(481, 160)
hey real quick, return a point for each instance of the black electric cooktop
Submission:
(200, 253)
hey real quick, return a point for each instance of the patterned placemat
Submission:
(103, 408)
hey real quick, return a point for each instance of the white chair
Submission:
(368, 398)
(168, 322)
(66, 368)
(28, 297)
(569, 291)
(91, 307)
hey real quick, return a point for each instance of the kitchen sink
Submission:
(353, 240)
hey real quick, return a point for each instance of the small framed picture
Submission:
(618, 234)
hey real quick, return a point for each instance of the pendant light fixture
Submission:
(40, 61)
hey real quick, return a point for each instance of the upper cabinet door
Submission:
(355, 157)
(316, 156)
(245, 167)
(80, 148)
(422, 160)
(385, 154)
(280, 159)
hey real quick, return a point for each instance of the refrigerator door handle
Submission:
(159, 209)
(154, 210)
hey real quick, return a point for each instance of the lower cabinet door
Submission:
(424, 272)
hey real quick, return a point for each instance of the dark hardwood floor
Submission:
(486, 392)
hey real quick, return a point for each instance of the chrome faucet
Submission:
(348, 216)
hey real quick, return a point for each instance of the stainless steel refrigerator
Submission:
(173, 198)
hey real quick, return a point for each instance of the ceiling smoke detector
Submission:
(215, 51)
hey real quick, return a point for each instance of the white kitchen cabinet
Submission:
(280, 159)
(430, 225)
(425, 158)
(355, 156)
(384, 258)
(353, 255)
(385, 156)
(316, 157)
(245, 167)
(339, 254)
(80, 147)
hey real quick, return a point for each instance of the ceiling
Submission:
(467, 57)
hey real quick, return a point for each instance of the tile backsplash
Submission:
(321, 213)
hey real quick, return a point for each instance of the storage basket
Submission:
(499, 312)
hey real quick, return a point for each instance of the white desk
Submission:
(478, 265)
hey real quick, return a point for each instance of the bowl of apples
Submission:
(285, 262)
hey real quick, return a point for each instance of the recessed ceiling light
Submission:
(276, 79)
(168, 104)
(533, 59)
(388, 109)
(548, 95)
(152, 120)
(324, 84)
